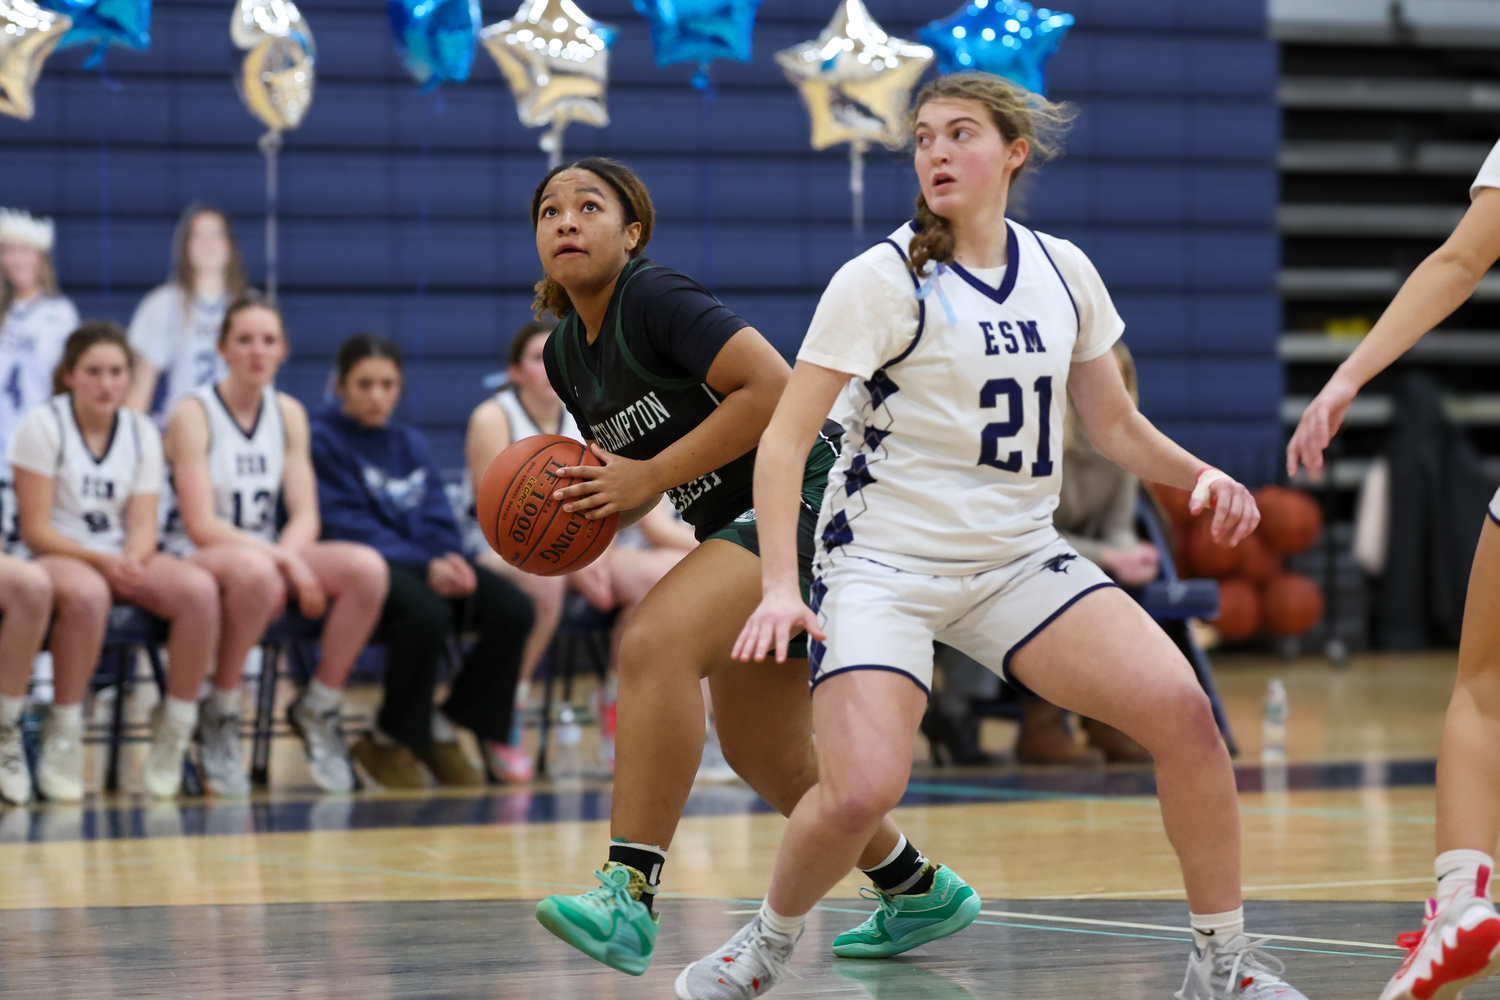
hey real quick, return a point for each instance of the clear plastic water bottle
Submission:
(1273, 725)
(567, 755)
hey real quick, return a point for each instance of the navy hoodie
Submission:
(378, 486)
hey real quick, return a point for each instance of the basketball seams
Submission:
(544, 532)
(510, 486)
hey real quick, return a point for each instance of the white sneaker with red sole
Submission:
(1456, 947)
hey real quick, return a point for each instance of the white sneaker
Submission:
(15, 776)
(220, 753)
(323, 742)
(59, 767)
(749, 964)
(1238, 969)
(163, 773)
(1455, 948)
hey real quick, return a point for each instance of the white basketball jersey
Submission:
(89, 492)
(32, 335)
(521, 424)
(952, 456)
(245, 467)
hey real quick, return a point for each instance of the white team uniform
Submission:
(521, 424)
(179, 335)
(32, 335)
(89, 491)
(1489, 176)
(245, 469)
(937, 521)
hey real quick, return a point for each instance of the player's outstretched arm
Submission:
(779, 466)
(1122, 434)
(1442, 283)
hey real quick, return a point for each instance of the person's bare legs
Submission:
(1468, 772)
(252, 593)
(187, 596)
(356, 579)
(81, 603)
(26, 601)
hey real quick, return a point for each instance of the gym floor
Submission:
(429, 894)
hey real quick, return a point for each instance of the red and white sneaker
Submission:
(1456, 947)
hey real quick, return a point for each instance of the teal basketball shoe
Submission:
(608, 924)
(906, 922)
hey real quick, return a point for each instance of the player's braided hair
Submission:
(1016, 112)
(635, 200)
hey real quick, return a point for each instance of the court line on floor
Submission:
(1133, 893)
(1180, 930)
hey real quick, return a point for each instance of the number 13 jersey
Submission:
(952, 456)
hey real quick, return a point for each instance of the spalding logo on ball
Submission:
(522, 522)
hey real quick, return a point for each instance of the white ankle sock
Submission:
(785, 926)
(11, 709)
(225, 702)
(69, 717)
(1462, 872)
(1216, 928)
(442, 729)
(320, 697)
(181, 715)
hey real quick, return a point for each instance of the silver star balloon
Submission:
(855, 80)
(28, 34)
(276, 79)
(556, 60)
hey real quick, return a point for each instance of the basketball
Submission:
(1290, 520)
(1208, 557)
(1257, 562)
(1293, 604)
(522, 522)
(1239, 610)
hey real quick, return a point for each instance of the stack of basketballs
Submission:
(1255, 592)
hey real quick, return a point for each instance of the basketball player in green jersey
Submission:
(673, 390)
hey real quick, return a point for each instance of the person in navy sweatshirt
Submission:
(377, 485)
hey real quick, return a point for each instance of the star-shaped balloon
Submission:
(855, 79)
(28, 34)
(277, 76)
(699, 31)
(435, 38)
(126, 23)
(556, 60)
(1008, 38)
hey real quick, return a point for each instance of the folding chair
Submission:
(582, 641)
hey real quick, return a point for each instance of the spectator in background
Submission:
(175, 329)
(35, 319)
(88, 473)
(377, 485)
(238, 448)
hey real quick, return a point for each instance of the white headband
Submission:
(17, 226)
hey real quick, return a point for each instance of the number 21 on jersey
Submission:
(1007, 394)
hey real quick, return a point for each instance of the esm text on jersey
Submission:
(1006, 331)
(253, 464)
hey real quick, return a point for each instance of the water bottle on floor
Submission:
(1273, 726)
(567, 753)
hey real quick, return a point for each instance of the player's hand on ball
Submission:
(781, 615)
(617, 485)
(1320, 422)
(1235, 510)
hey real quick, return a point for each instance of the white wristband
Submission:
(1207, 476)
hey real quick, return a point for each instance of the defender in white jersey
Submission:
(175, 329)
(87, 475)
(952, 345)
(1459, 943)
(238, 451)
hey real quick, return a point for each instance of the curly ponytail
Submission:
(635, 202)
(1017, 113)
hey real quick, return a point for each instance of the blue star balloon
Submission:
(699, 31)
(126, 23)
(1009, 39)
(436, 39)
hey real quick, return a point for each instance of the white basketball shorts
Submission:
(880, 618)
(1495, 508)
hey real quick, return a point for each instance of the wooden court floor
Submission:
(428, 894)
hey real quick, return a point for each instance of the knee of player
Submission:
(197, 595)
(263, 579)
(32, 594)
(85, 595)
(371, 573)
(856, 806)
(1185, 723)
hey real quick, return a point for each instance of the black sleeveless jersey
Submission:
(641, 386)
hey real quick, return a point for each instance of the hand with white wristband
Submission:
(1235, 511)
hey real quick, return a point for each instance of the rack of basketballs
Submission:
(1257, 595)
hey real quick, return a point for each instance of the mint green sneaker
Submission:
(608, 924)
(906, 922)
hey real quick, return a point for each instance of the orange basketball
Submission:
(1208, 557)
(1294, 604)
(1290, 520)
(522, 522)
(1239, 610)
(1257, 562)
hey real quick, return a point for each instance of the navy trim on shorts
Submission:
(872, 666)
(1492, 515)
(1005, 663)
